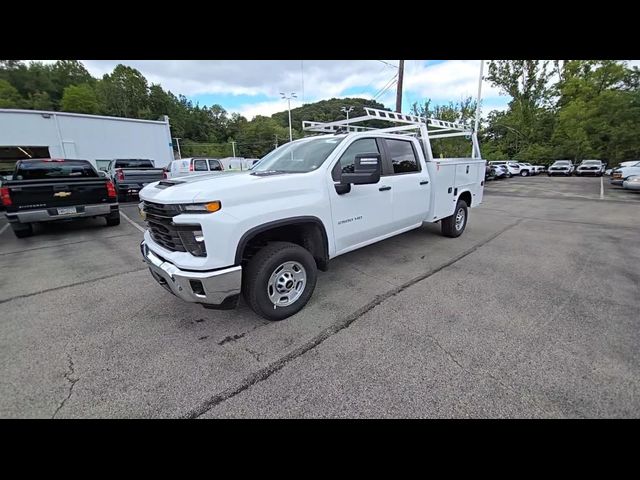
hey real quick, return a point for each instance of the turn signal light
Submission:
(202, 207)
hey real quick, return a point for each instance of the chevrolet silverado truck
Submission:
(619, 175)
(266, 232)
(131, 175)
(45, 190)
(590, 167)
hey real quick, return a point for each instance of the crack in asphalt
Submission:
(72, 382)
(84, 282)
(267, 371)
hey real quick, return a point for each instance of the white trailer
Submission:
(35, 133)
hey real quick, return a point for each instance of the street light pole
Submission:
(288, 99)
(178, 143)
(347, 110)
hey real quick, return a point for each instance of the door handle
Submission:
(384, 188)
(424, 182)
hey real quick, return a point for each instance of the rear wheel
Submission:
(454, 225)
(113, 219)
(279, 280)
(22, 230)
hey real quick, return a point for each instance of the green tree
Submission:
(9, 96)
(40, 101)
(124, 93)
(80, 99)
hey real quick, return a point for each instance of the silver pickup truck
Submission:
(131, 175)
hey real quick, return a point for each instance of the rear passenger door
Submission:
(410, 185)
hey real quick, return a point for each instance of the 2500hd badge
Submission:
(352, 219)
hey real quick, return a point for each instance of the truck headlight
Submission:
(634, 180)
(209, 207)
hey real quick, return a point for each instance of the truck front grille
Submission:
(177, 238)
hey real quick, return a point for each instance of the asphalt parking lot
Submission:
(533, 312)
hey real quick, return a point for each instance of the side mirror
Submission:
(101, 173)
(366, 170)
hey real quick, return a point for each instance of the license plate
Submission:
(66, 210)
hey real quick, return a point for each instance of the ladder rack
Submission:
(426, 128)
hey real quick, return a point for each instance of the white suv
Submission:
(513, 168)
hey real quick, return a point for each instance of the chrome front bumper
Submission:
(210, 288)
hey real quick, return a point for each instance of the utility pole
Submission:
(479, 96)
(233, 146)
(288, 99)
(276, 144)
(178, 143)
(399, 90)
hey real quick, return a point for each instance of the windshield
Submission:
(300, 156)
(41, 169)
(591, 162)
(562, 162)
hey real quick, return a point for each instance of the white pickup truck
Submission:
(267, 231)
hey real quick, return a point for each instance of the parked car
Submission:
(632, 183)
(561, 167)
(132, 174)
(265, 232)
(501, 171)
(526, 169)
(590, 167)
(619, 175)
(45, 190)
(538, 169)
(513, 168)
(194, 166)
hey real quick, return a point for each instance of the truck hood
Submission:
(228, 187)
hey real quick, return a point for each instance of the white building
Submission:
(40, 134)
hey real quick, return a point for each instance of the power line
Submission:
(387, 63)
(385, 89)
(386, 86)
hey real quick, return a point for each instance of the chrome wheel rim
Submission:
(286, 284)
(460, 217)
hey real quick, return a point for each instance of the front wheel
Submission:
(524, 173)
(279, 280)
(454, 225)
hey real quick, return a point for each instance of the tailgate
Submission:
(57, 193)
(142, 175)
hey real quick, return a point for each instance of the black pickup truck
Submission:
(130, 175)
(44, 190)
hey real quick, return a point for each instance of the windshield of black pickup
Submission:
(42, 169)
(300, 156)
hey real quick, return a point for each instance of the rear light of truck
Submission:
(6, 196)
(164, 175)
(191, 166)
(111, 190)
(119, 174)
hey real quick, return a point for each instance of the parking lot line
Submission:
(601, 188)
(4, 228)
(131, 221)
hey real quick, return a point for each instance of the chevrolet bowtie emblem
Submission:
(62, 194)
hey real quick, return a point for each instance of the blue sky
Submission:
(252, 87)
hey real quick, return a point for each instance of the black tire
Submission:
(449, 224)
(113, 219)
(22, 230)
(524, 173)
(255, 279)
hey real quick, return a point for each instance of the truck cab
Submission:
(266, 232)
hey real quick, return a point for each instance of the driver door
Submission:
(362, 215)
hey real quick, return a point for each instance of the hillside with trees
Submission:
(558, 109)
